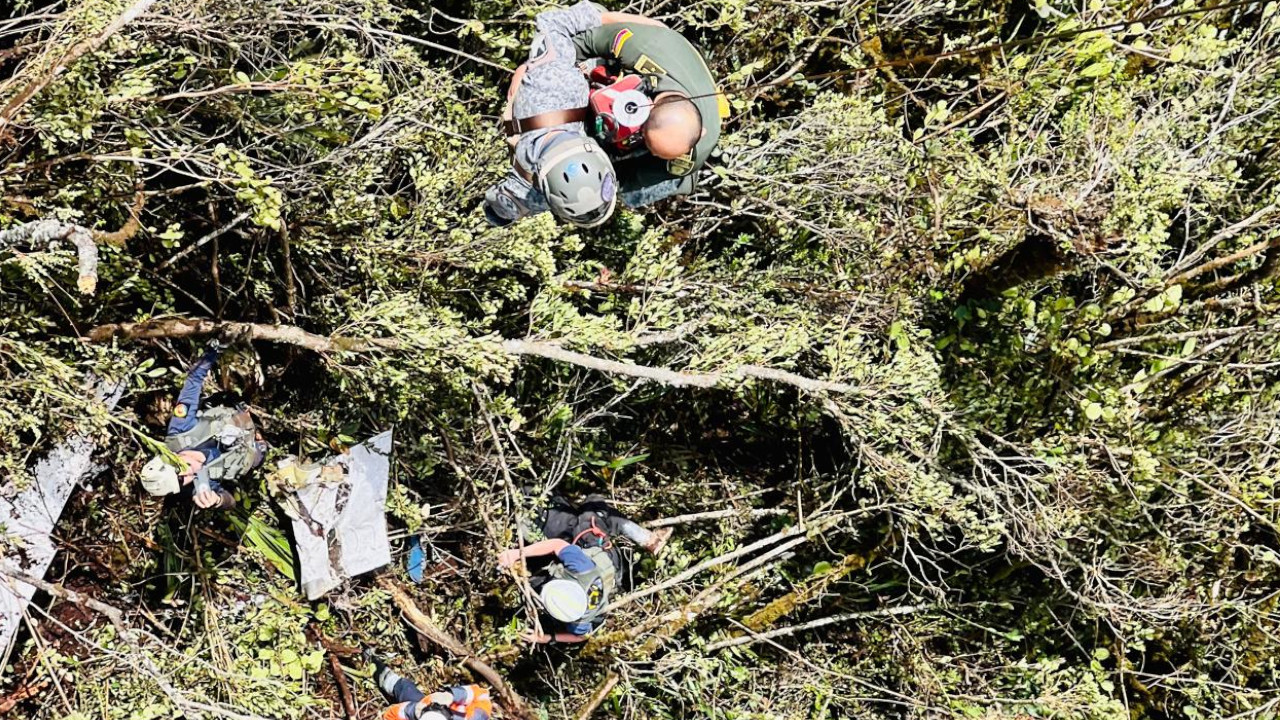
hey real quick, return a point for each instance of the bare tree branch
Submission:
(292, 335)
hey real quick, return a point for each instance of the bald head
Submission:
(674, 126)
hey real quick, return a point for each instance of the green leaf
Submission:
(1092, 410)
(1097, 69)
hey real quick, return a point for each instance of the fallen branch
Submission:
(794, 530)
(49, 233)
(770, 613)
(77, 51)
(605, 687)
(292, 335)
(755, 637)
(339, 677)
(713, 515)
(285, 334)
(1221, 262)
(130, 227)
(514, 705)
(674, 377)
(235, 221)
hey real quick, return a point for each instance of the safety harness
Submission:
(620, 106)
(519, 126)
(233, 430)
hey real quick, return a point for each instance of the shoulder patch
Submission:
(618, 41)
(682, 165)
(646, 66)
(180, 410)
(540, 51)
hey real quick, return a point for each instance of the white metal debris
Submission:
(341, 527)
(29, 515)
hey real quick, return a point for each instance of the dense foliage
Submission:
(1037, 282)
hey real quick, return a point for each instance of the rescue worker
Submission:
(461, 702)
(207, 447)
(556, 166)
(577, 565)
(680, 127)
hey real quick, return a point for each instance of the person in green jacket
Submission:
(685, 111)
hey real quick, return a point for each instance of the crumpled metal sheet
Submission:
(341, 528)
(28, 517)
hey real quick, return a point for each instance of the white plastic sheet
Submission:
(342, 531)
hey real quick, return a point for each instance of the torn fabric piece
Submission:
(28, 517)
(340, 525)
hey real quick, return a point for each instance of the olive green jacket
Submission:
(672, 64)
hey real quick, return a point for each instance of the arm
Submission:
(509, 200)
(216, 497)
(608, 18)
(560, 637)
(188, 404)
(543, 547)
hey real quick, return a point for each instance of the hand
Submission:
(507, 558)
(208, 499)
(531, 636)
(194, 460)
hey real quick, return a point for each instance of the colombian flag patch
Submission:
(619, 40)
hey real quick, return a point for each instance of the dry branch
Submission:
(713, 515)
(602, 691)
(292, 335)
(49, 232)
(514, 705)
(77, 51)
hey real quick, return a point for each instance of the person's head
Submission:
(674, 126)
(160, 477)
(579, 183)
(565, 600)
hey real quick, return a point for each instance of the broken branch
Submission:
(292, 335)
(755, 637)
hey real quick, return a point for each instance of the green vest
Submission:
(599, 583)
(238, 458)
(673, 64)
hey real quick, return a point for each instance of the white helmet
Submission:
(565, 600)
(159, 477)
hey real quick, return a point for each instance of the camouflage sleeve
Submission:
(552, 80)
(510, 200)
